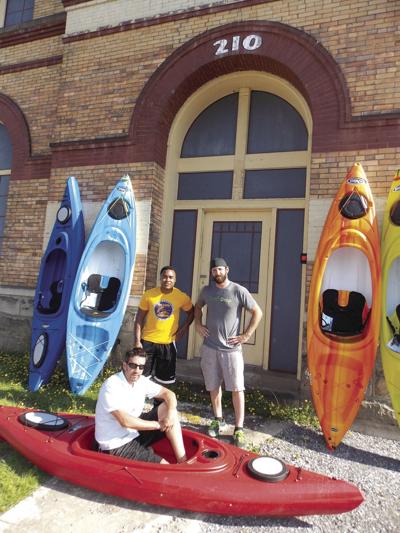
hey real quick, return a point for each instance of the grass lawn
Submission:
(19, 478)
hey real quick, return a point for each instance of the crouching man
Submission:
(122, 428)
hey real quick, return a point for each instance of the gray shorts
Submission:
(220, 366)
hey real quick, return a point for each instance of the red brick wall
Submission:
(109, 99)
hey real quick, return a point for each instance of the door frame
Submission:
(195, 104)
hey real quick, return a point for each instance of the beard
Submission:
(219, 278)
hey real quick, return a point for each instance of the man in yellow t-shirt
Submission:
(157, 326)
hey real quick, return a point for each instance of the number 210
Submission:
(251, 42)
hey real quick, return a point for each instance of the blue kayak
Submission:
(55, 281)
(102, 287)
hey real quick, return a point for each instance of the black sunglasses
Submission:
(134, 366)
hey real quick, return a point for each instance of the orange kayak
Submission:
(344, 307)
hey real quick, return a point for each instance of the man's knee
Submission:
(162, 411)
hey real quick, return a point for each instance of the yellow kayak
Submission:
(390, 323)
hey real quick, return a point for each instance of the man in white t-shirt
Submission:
(121, 427)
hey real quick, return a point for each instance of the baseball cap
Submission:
(218, 262)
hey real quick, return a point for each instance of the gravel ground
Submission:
(372, 463)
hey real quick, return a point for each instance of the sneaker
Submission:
(239, 438)
(215, 427)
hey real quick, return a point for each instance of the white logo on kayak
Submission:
(356, 181)
(397, 188)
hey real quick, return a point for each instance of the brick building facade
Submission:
(98, 89)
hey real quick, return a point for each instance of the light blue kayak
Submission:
(56, 278)
(102, 287)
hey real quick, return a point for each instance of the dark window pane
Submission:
(4, 185)
(12, 19)
(205, 185)
(286, 294)
(5, 149)
(274, 125)
(240, 244)
(27, 15)
(214, 130)
(182, 259)
(275, 183)
(4, 180)
(15, 5)
(18, 11)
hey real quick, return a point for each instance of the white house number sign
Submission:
(250, 42)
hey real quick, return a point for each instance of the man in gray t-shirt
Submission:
(221, 353)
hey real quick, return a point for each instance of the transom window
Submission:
(267, 139)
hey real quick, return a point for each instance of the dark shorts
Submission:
(161, 361)
(140, 449)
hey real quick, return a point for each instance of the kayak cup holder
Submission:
(210, 454)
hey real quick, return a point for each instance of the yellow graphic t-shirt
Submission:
(162, 319)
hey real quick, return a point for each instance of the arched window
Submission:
(5, 166)
(214, 130)
(274, 127)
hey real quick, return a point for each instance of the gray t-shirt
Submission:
(224, 308)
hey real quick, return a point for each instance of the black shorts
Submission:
(161, 361)
(140, 449)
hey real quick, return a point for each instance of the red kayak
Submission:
(217, 477)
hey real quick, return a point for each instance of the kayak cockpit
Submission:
(101, 294)
(346, 296)
(202, 452)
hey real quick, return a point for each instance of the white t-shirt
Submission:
(116, 394)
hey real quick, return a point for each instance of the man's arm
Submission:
(132, 422)
(198, 320)
(138, 327)
(180, 332)
(256, 316)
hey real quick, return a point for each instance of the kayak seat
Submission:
(340, 318)
(109, 296)
(394, 323)
(50, 299)
(395, 214)
(100, 294)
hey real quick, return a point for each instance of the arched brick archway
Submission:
(286, 52)
(24, 166)
(14, 120)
